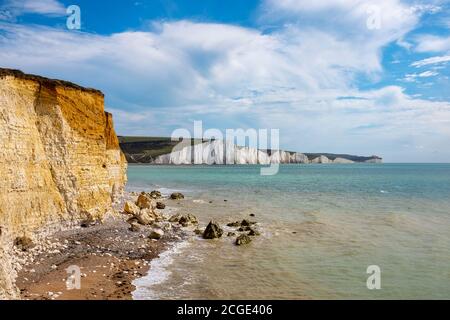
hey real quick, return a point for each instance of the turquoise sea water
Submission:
(322, 226)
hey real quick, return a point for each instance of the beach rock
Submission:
(146, 216)
(160, 205)
(156, 234)
(234, 224)
(198, 232)
(252, 214)
(243, 239)
(177, 196)
(253, 232)
(145, 202)
(247, 223)
(134, 227)
(24, 243)
(231, 234)
(155, 194)
(187, 219)
(131, 208)
(212, 231)
(184, 219)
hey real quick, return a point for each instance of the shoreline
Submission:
(109, 256)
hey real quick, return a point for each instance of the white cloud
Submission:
(412, 77)
(430, 43)
(431, 61)
(190, 63)
(14, 8)
(350, 17)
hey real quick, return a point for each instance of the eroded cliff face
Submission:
(220, 152)
(59, 157)
(226, 152)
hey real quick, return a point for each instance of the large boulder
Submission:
(131, 208)
(177, 196)
(243, 239)
(146, 217)
(145, 202)
(212, 231)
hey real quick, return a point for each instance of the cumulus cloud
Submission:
(184, 63)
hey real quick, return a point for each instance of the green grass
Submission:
(146, 149)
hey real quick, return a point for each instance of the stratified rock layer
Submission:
(59, 157)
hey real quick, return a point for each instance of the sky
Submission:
(341, 76)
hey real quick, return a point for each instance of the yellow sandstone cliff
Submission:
(59, 158)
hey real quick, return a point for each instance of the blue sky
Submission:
(354, 76)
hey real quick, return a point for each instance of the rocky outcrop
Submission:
(212, 231)
(177, 196)
(59, 157)
(243, 239)
(184, 219)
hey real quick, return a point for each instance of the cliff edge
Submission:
(60, 159)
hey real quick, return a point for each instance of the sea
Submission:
(328, 231)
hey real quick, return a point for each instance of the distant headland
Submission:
(162, 150)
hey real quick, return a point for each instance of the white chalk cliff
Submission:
(220, 152)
